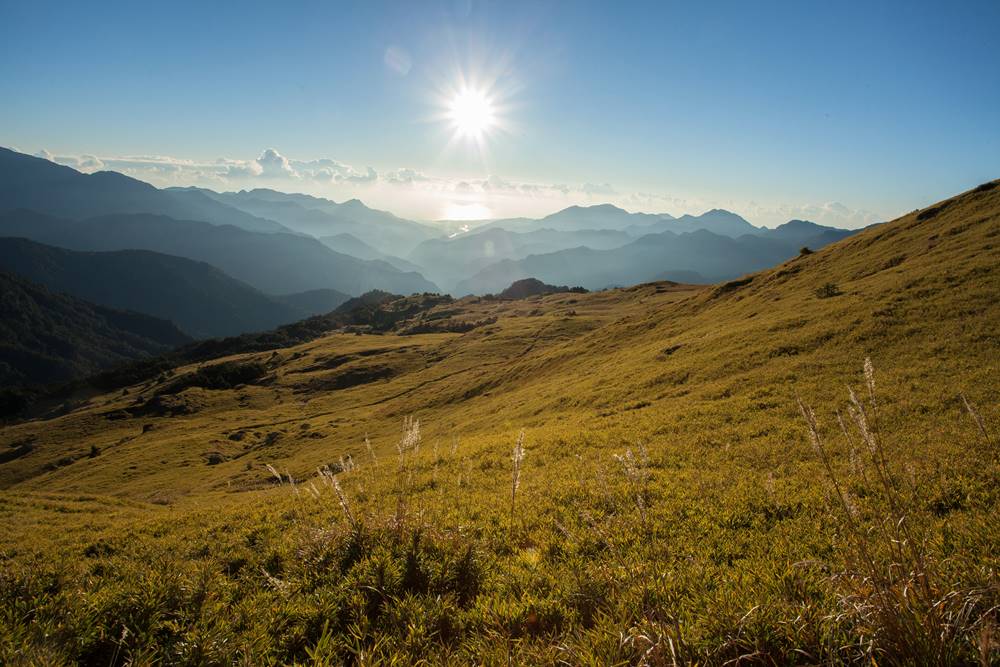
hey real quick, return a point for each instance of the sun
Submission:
(473, 109)
(471, 113)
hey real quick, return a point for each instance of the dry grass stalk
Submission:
(896, 592)
(410, 442)
(517, 458)
(980, 425)
(636, 469)
(330, 479)
(435, 458)
(274, 471)
(407, 447)
(343, 501)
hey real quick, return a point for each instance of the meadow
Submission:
(797, 467)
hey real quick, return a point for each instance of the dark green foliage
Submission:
(932, 211)
(521, 289)
(374, 312)
(47, 337)
(16, 450)
(732, 286)
(226, 375)
(827, 290)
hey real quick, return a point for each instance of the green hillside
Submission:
(670, 502)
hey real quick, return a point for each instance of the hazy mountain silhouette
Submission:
(319, 217)
(805, 232)
(717, 221)
(199, 298)
(49, 337)
(576, 218)
(314, 302)
(666, 255)
(448, 261)
(349, 244)
(273, 263)
(364, 249)
(40, 185)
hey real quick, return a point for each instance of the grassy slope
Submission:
(703, 378)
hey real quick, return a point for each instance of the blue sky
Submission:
(836, 111)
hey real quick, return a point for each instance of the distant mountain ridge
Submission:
(665, 255)
(577, 218)
(36, 184)
(202, 300)
(320, 217)
(47, 337)
(286, 244)
(273, 263)
(349, 244)
(449, 261)
(717, 221)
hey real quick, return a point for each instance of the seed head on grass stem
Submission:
(274, 471)
(517, 458)
(896, 587)
(977, 418)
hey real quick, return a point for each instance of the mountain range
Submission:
(202, 300)
(320, 217)
(215, 264)
(275, 263)
(40, 185)
(690, 256)
(284, 244)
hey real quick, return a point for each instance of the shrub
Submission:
(828, 290)
(226, 375)
(805, 250)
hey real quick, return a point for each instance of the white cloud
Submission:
(413, 193)
(239, 170)
(404, 175)
(275, 165)
(598, 189)
(87, 163)
(833, 214)
(326, 170)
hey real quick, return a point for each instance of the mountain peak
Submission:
(721, 213)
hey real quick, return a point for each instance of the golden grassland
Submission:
(669, 507)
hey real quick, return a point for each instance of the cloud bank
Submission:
(412, 193)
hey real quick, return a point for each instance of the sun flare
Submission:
(471, 112)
